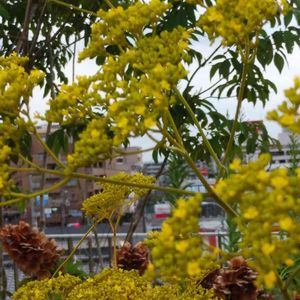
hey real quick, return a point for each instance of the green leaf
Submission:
(25, 144)
(279, 62)
(224, 69)
(3, 12)
(288, 18)
(213, 70)
(289, 39)
(75, 269)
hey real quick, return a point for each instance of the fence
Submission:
(94, 253)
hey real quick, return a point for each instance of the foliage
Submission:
(143, 87)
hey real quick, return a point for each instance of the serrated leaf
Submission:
(279, 62)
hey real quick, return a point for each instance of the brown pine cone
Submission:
(235, 282)
(136, 257)
(30, 249)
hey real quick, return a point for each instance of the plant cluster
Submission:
(142, 87)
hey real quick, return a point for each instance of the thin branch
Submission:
(73, 7)
(202, 65)
(20, 196)
(49, 151)
(74, 249)
(239, 105)
(38, 29)
(199, 127)
(24, 34)
(105, 180)
(142, 204)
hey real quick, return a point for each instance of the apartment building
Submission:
(63, 206)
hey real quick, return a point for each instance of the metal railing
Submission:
(95, 252)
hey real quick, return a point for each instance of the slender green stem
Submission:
(109, 4)
(73, 7)
(74, 249)
(202, 65)
(200, 129)
(19, 196)
(49, 151)
(189, 160)
(139, 185)
(239, 105)
(106, 180)
(291, 277)
(174, 127)
(114, 231)
(27, 161)
(122, 153)
(283, 288)
(209, 189)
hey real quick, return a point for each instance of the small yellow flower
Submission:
(180, 213)
(279, 182)
(182, 246)
(270, 279)
(286, 223)
(251, 213)
(289, 262)
(236, 164)
(193, 268)
(287, 120)
(267, 249)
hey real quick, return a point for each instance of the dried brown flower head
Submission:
(133, 257)
(32, 251)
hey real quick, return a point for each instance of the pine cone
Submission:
(236, 281)
(30, 249)
(136, 257)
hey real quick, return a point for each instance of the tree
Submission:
(143, 87)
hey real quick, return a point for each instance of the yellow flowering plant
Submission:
(143, 86)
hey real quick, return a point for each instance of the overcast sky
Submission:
(282, 81)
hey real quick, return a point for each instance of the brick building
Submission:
(62, 206)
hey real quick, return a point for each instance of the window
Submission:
(276, 153)
(51, 166)
(120, 160)
(72, 182)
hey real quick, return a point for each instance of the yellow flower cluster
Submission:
(116, 22)
(133, 87)
(16, 84)
(135, 104)
(116, 198)
(10, 136)
(288, 114)
(177, 251)
(74, 104)
(93, 142)
(113, 284)
(265, 200)
(192, 291)
(47, 289)
(235, 20)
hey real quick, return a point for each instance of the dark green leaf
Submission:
(3, 12)
(279, 62)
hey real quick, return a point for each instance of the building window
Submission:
(276, 153)
(120, 160)
(51, 166)
(72, 182)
